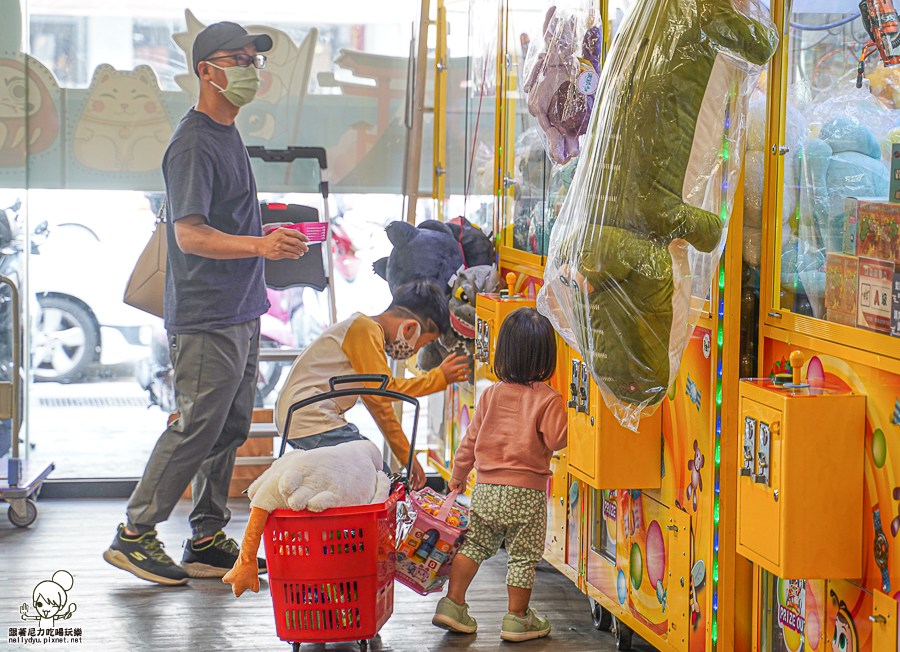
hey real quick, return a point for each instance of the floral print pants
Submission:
(513, 514)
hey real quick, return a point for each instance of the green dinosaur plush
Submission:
(619, 271)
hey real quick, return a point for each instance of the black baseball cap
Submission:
(226, 36)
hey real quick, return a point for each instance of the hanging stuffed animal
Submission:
(653, 185)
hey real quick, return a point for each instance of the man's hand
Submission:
(418, 476)
(283, 243)
(457, 485)
(455, 368)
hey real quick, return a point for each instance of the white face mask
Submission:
(402, 348)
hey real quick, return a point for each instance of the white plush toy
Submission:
(333, 476)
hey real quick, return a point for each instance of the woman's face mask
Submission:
(243, 83)
(402, 348)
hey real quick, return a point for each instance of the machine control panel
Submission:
(800, 464)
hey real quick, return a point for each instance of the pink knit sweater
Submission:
(513, 435)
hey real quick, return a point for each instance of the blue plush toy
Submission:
(844, 161)
(433, 250)
(428, 251)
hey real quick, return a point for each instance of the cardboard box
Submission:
(837, 317)
(895, 173)
(895, 303)
(876, 278)
(872, 229)
(841, 288)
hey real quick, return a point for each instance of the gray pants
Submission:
(332, 438)
(215, 386)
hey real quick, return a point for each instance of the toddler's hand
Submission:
(455, 368)
(457, 485)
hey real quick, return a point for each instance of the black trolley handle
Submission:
(358, 391)
(291, 154)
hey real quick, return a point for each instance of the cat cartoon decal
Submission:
(29, 122)
(123, 126)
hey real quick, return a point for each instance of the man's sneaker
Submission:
(517, 629)
(454, 617)
(144, 557)
(213, 558)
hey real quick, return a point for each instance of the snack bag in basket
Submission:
(429, 540)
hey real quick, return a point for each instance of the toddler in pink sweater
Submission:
(518, 423)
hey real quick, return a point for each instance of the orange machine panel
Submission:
(801, 473)
(602, 452)
(490, 311)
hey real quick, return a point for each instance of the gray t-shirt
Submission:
(207, 172)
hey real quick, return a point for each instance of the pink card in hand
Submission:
(315, 231)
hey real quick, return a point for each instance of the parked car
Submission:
(79, 277)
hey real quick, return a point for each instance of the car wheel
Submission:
(65, 341)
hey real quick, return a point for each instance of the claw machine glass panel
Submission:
(533, 184)
(839, 236)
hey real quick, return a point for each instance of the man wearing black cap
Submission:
(215, 294)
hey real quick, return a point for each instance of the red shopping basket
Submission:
(331, 574)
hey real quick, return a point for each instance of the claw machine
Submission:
(642, 522)
(828, 366)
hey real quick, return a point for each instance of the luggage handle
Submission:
(449, 501)
(359, 391)
(291, 154)
(384, 379)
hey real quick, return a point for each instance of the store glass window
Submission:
(90, 94)
(840, 237)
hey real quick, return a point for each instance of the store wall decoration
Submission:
(123, 126)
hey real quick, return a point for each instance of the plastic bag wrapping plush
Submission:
(561, 76)
(644, 222)
(842, 155)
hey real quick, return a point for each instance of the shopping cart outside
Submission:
(331, 574)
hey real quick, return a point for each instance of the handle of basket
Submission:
(447, 506)
(384, 379)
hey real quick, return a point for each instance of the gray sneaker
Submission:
(516, 629)
(454, 617)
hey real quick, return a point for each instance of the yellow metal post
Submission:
(440, 114)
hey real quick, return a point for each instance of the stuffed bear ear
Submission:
(434, 225)
(401, 233)
(380, 267)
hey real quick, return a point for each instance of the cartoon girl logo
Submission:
(844, 638)
(50, 598)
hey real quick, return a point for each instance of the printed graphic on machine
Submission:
(837, 611)
(50, 608)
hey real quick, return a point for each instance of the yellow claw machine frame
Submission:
(643, 523)
(822, 420)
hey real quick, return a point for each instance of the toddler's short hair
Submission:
(526, 348)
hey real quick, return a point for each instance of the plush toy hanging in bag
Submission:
(562, 75)
(429, 540)
(644, 222)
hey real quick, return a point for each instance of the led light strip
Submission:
(719, 342)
